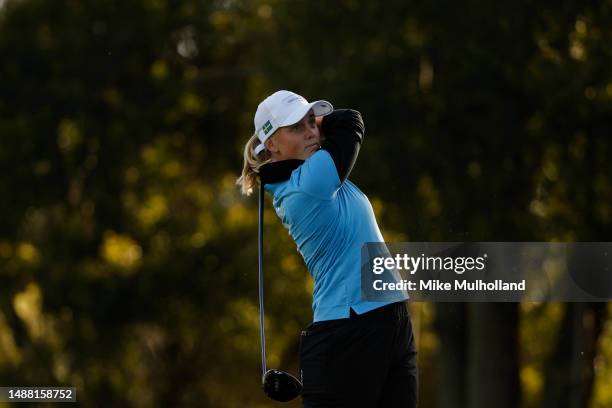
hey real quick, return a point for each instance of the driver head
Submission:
(281, 386)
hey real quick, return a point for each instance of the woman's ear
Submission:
(271, 144)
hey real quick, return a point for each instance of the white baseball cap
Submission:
(284, 108)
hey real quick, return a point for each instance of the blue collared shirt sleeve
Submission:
(318, 176)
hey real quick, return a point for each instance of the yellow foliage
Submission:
(238, 216)
(198, 239)
(150, 155)
(172, 169)
(112, 97)
(207, 225)
(264, 11)
(27, 252)
(159, 70)
(192, 103)
(132, 174)
(289, 263)
(428, 192)
(28, 306)
(377, 206)
(69, 135)
(241, 324)
(602, 392)
(220, 19)
(120, 250)
(531, 380)
(8, 348)
(153, 210)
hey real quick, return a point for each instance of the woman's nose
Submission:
(310, 131)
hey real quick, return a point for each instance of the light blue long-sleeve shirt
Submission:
(329, 220)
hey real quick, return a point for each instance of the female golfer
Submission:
(355, 353)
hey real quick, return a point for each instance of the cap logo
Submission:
(267, 127)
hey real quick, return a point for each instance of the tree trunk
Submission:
(492, 369)
(569, 373)
(451, 328)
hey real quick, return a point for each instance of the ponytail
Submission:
(249, 179)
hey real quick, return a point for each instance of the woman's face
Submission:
(298, 141)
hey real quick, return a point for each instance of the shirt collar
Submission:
(275, 172)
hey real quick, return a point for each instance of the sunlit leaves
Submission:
(27, 253)
(121, 250)
(603, 368)
(69, 135)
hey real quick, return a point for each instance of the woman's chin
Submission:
(310, 150)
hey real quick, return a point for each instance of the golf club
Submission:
(277, 385)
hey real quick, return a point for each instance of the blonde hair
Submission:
(252, 162)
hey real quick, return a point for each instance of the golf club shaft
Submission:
(261, 282)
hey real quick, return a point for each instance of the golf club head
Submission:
(281, 386)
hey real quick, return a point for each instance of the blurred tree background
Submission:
(128, 258)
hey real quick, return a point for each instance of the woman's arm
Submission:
(343, 131)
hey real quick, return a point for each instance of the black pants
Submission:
(367, 360)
